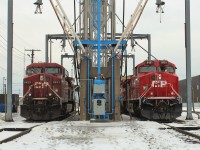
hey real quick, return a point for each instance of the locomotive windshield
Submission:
(53, 70)
(144, 69)
(33, 70)
(166, 68)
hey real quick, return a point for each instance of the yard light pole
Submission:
(188, 60)
(8, 113)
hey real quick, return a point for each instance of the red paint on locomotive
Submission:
(153, 88)
(47, 91)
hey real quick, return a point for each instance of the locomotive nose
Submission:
(39, 89)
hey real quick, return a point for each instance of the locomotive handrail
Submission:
(151, 87)
(26, 93)
(175, 92)
(145, 92)
(143, 95)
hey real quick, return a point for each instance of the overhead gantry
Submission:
(99, 55)
(98, 51)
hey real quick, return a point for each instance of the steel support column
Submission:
(46, 48)
(149, 46)
(8, 115)
(113, 29)
(188, 60)
(99, 38)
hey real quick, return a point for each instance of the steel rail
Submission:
(27, 130)
(180, 130)
(23, 132)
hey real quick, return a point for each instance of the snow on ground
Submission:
(83, 135)
(18, 122)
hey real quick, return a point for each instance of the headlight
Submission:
(50, 94)
(159, 77)
(164, 62)
(149, 62)
(29, 94)
(41, 77)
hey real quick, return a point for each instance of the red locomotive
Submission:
(48, 92)
(153, 92)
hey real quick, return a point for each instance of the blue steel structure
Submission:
(99, 45)
(99, 38)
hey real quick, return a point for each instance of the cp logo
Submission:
(159, 83)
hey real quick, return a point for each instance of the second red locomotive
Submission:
(153, 92)
(48, 92)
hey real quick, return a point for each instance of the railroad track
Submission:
(183, 130)
(22, 131)
(67, 117)
(73, 116)
(186, 131)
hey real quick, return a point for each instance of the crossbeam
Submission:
(132, 22)
(66, 24)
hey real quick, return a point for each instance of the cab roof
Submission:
(43, 64)
(156, 63)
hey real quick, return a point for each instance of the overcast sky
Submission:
(167, 37)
